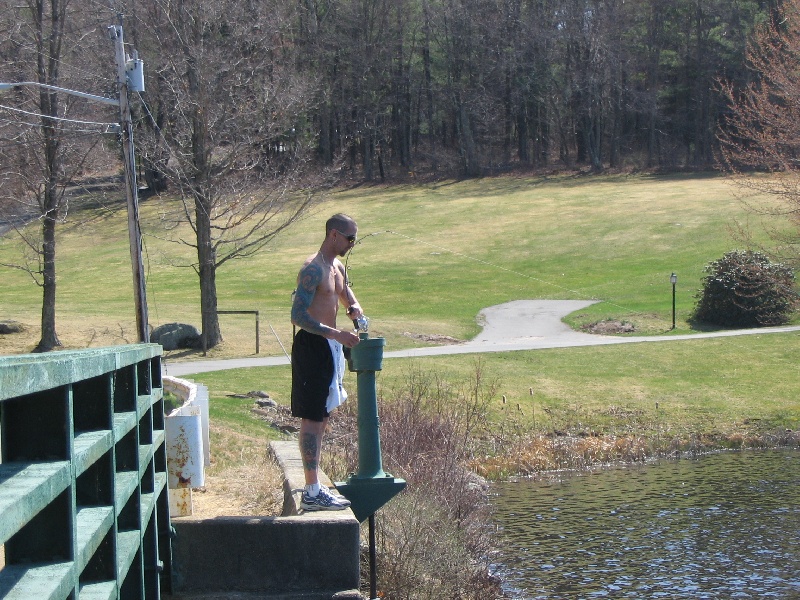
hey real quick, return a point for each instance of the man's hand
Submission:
(346, 338)
(354, 311)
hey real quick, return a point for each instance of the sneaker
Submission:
(322, 501)
(335, 493)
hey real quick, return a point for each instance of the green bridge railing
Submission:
(83, 484)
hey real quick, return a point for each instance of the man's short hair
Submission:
(339, 222)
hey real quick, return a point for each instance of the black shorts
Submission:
(312, 373)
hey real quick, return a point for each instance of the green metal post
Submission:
(370, 488)
(370, 461)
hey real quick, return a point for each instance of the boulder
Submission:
(7, 327)
(176, 336)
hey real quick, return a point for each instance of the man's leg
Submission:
(315, 496)
(311, 433)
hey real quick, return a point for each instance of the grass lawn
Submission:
(429, 259)
(724, 386)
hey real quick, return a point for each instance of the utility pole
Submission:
(124, 68)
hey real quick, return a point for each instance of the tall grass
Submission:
(434, 539)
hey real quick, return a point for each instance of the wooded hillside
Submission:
(389, 88)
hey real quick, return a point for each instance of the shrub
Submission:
(434, 539)
(745, 289)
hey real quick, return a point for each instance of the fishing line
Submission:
(481, 261)
(147, 283)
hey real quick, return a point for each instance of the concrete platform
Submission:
(312, 556)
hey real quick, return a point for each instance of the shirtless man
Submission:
(317, 356)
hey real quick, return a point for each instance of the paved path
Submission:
(518, 325)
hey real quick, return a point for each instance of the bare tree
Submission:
(44, 144)
(762, 132)
(235, 132)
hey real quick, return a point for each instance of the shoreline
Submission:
(548, 453)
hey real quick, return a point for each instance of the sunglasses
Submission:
(349, 238)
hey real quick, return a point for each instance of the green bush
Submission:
(745, 289)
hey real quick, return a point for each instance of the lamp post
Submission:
(673, 279)
(129, 74)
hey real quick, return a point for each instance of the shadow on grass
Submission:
(704, 327)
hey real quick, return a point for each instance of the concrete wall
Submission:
(312, 556)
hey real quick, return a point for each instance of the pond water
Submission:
(720, 526)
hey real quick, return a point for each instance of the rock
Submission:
(262, 399)
(7, 327)
(476, 483)
(284, 428)
(264, 413)
(175, 336)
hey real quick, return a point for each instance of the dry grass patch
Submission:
(550, 453)
(243, 479)
(77, 333)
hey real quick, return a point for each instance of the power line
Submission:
(33, 143)
(62, 119)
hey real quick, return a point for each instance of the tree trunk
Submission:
(369, 151)
(472, 167)
(653, 75)
(49, 339)
(542, 137)
(47, 72)
(206, 256)
(508, 126)
(325, 134)
(207, 270)
(594, 141)
(428, 77)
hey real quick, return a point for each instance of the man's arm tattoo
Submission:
(310, 277)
